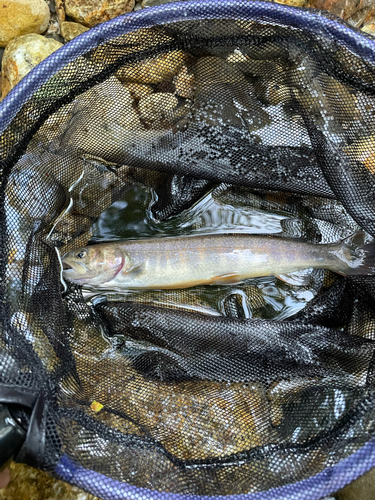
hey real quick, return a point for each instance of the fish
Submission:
(214, 259)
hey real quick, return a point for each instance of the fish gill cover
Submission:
(191, 119)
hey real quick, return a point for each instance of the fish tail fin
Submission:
(358, 253)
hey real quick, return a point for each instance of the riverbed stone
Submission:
(71, 30)
(20, 17)
(21, 55)
(153, 70)
(92, 12)
(157, 106)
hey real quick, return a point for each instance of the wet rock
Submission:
(153, 3)
(71, 30)
(34, 195)
(21, 55)
(362, 488)
(92, 12)
(153, 70)
(157, 106)
(19, 17)
(102, 117)
(238, 103)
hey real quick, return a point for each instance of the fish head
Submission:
(93, 265)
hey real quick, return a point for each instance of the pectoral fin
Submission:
(226, 279)
(135, 270)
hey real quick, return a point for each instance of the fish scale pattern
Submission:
(263, 106)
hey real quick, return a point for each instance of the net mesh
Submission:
(257, 109)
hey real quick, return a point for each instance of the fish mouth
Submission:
(73, 268)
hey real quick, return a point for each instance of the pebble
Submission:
(92, 12)
(71, 30)
(157, 106)
(19, 17)
(21, 55)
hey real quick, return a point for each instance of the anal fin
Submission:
(226, 279)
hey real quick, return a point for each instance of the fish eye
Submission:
(81, 254)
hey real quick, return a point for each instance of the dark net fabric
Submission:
(193, 400)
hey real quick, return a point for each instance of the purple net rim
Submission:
(279, 14)
(314, 488)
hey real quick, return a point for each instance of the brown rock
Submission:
(92, 12)
(19, 17)
(21, 55)
(71, 30)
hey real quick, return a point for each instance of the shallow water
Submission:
(268, 297)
